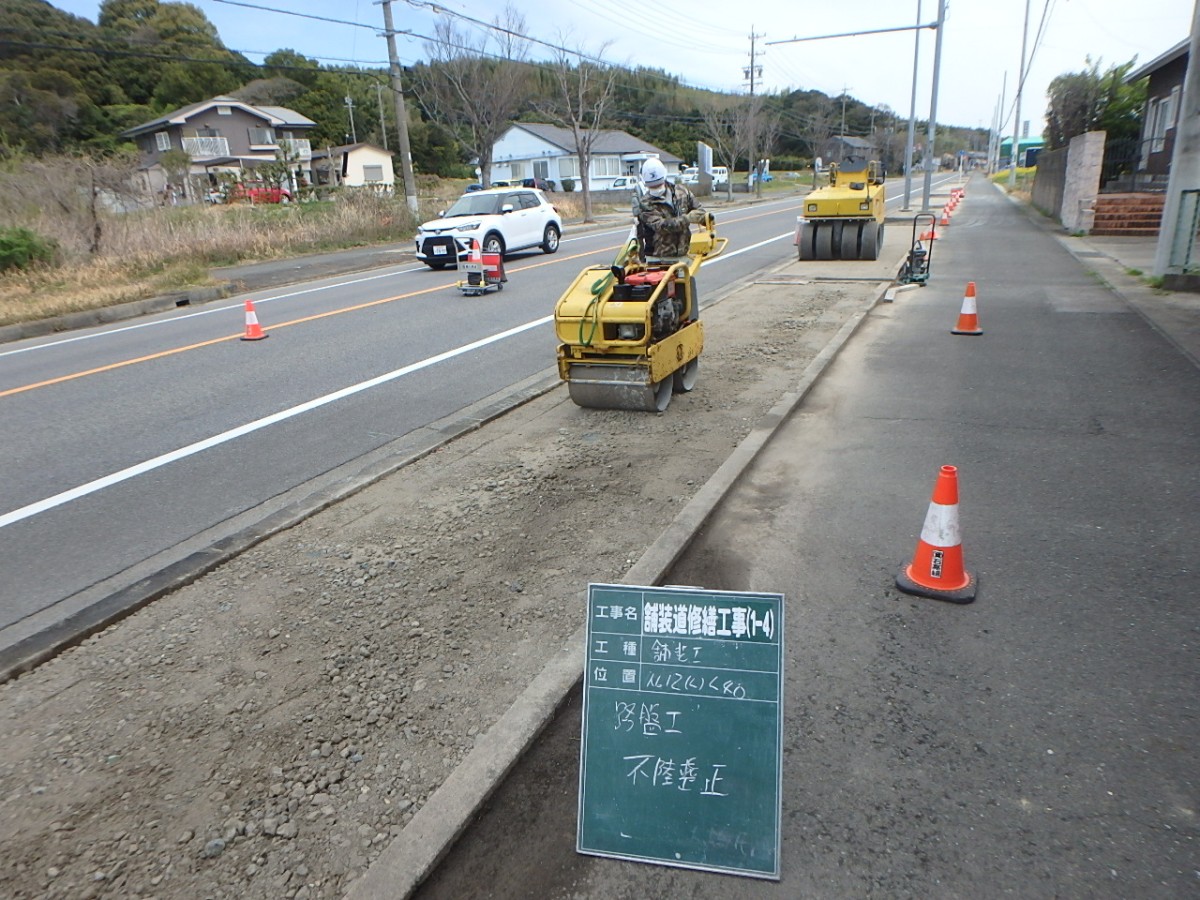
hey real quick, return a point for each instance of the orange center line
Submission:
(232, 337)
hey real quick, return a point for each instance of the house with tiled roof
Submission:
(225, 135)
(547, 152)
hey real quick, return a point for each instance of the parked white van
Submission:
(720, 175)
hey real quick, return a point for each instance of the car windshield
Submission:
(476, 204)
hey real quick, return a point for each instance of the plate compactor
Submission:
(845, 219)
(630, 333)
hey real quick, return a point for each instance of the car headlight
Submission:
(470, 226)
(864, 205)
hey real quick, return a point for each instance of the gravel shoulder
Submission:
(267, 730)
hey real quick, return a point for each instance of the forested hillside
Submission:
(67, 84)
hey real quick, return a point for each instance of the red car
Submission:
(259, 194)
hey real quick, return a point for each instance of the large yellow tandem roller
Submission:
(845, 219)
(630, 333)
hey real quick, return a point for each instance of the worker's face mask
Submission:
(659, 191)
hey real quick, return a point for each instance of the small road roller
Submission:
(845, 219)
(630, 333)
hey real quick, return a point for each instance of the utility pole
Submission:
(382, 119)
(1177, 234)
(1016, 144)
(912, 114)
(751, 73)
(353, 131)
(410, 182)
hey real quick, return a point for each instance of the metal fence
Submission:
(1185, 248)
(1119, 173)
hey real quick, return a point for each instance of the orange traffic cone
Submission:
(930, 235)
(945, 220)
(936, 570)
(254, 331)
(968, 317)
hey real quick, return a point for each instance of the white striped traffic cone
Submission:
(936, 570)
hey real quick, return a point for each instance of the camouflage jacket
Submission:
(662, 221)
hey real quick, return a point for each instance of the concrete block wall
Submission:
(1085, 157)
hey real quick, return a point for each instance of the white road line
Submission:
(141, 468)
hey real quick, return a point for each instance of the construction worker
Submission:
(664, 214)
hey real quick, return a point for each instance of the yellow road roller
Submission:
(845, 219)
(630, 333)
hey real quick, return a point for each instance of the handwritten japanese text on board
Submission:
(682, 726)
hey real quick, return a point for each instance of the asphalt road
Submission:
(1039, 742)
(129, 447)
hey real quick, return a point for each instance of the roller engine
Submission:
(845, 219)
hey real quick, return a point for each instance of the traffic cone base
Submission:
(254, 331)
(936, 570)
(968, 317)
(907, 582)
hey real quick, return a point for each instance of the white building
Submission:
(354, 165)
(547, 152)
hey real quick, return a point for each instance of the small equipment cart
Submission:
(484, 271)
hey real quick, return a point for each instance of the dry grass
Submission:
(149, 252)
(108, 257)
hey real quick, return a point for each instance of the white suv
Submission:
(501, 219)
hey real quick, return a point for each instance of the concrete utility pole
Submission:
(353, 130)
(410, 181)
(1016, 144)
(1177, 234)
(382, 119)
(752, 72)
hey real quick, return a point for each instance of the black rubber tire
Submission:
(872, 240)
(823, 241)
(493, 243)
(848, 245)
(806, 250)
(550, 238)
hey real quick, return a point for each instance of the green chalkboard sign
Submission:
(681, 758)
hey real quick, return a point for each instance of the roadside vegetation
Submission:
(85, 242)
(1023, 187)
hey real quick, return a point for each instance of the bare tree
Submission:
(721, 131)
(508, 32)
(817, 124)
(585, 89)
(471, 92)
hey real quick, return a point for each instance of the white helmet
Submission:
(654, 173)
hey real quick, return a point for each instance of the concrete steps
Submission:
(1131, 215)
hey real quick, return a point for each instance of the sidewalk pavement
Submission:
(417, 851)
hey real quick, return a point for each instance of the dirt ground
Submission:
(264, 732)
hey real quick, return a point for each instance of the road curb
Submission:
(104, 315)
(25, 653)
(415, 853)
(43, 635)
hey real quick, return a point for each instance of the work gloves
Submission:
(698, 217)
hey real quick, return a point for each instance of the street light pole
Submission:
(912, 114)
(937, 64)
(1016, 144)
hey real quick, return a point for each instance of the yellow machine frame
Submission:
(608, 353)
(845, 219)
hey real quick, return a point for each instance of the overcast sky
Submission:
(707, 43)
